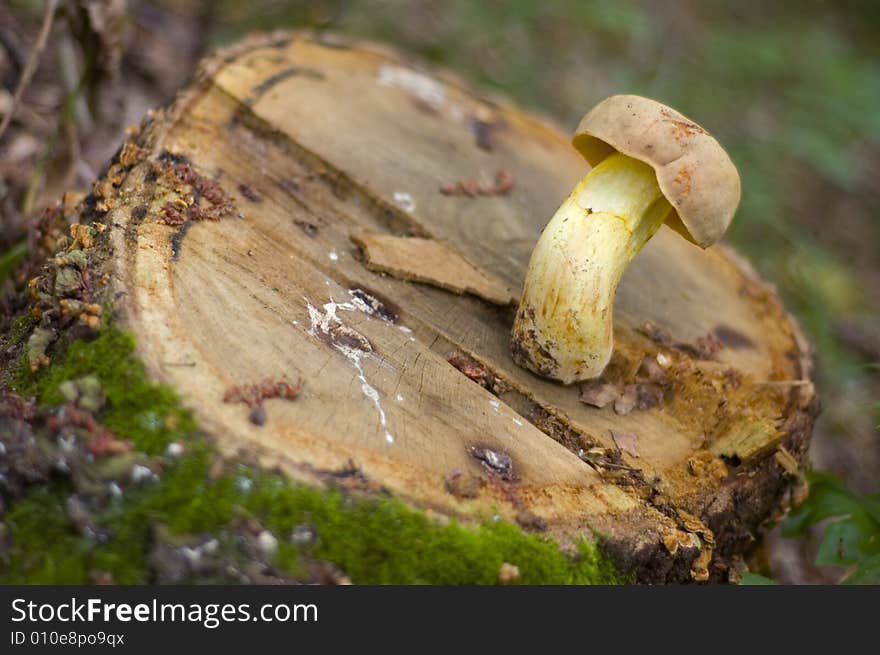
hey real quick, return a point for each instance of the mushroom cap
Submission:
(693, 171)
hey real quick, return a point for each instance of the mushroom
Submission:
(651, 165)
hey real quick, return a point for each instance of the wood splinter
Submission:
(431, 262)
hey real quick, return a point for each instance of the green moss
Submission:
(46, 549)
(147, 414)
(374, 540)
(384, 542)
(20, 327)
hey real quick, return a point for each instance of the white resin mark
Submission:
(333, 256)
(323, 324)
(405, 201)
(421, 86)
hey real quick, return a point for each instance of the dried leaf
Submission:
(627, 401)
(627, 442)
(599, 393)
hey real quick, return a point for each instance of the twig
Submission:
(31, 66)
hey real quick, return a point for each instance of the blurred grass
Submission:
(791, 90)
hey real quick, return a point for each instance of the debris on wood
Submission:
(648, 395)
(599, 393)
(484, 124)
(482, 134)
(787, 461)
(627, 442)
(351, 477)
(732, 378)
(627, 401)
(462, 484)
(528, 520)
(744, 438)
(502, 185)
(253, 395)
(310, 229)
(249, 193)
(652, 370)
(372, 305)
(190, 186)
(607, 463)
(477, 372)
(431, 262)
(705, 347)
(495, 461)
(732, 338)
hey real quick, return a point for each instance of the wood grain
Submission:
(320, 142)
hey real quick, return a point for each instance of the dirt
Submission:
(502, 185)
(254, 395)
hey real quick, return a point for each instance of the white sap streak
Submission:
(405, 201)
(322, 324)
(423, 87)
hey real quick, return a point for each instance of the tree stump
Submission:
(318, 213)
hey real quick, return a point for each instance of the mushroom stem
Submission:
(563, 328)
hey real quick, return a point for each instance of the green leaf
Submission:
(9, 259)
(868, 572)
(753, 579)
(852, 538)
(849, 541)
(828, 498)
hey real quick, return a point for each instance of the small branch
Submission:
(32, 63)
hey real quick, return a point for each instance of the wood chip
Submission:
(787, 461)
(627, 442)
(746, 438)
(599, 393)
(627, 401)
(431, 262)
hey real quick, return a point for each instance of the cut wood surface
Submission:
(431, 262)
(316, 142)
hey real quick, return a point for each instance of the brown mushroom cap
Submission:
(693, 171)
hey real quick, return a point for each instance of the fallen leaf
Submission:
(627, 442)
(599, 393)
(627, 401)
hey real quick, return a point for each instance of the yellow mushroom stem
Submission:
(564, 328)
